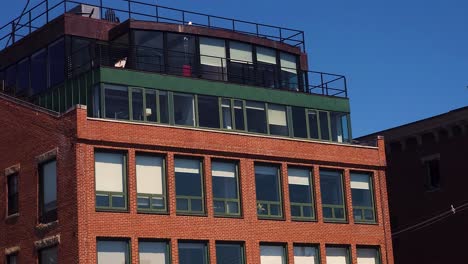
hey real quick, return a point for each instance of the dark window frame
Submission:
(241, 244)
(312, 195)
(128, 251)
(348, 251)
(190, 198)
(268, 204)
(206, 247)
(335, 219)
(40, 251)
(49, 216)
(373, 200)
(226, 200)
(284, 247)
(164, 186)
(377, 248)
(12, 197)
(315, 246)
(152, 240)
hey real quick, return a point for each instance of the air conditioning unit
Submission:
(86, 11)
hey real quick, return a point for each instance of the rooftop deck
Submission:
(119, 10)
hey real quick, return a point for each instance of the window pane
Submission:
(256, 117)
(299, 122)
(181, 54)
(192, 253)
(163, 107)
(81, 57)
(149, 172)
(272, 255)
(49, 187)
(337, 255)
(239, 113)
(208, 111)
(22, 87)
(331, 187)
(184, 112)
(112, 252)
(227, 113)
(267, 183)
(151, 110)
(266, 55)
(116, 102)
(137, 104)
(188, 177)
(289, 77)
(152, 252)
(300, 190)
(56, 62)
(324, 132)
(339, 127)
(10, 79)
(240, 52)
(241, 69)
(39, 71)
(109, 171)
(313, 124)
(305, 255)
(12, 194)
(213, 58)
(277, 120)
(149, 50)
(224, 180)
(48, 256)
(361, 189)
(367, 256)
(12, 259)
(229, 254)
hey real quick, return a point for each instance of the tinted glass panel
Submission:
(112, 252)
(48, 184)
(151, 109)
(39, 72)
(56, 63)
(23, 78)
(12, 194)
(256, 117)
(272, 254)
(305, 255)
(339, 127)
(192, 253)
(81, 56)
(277, 120)
(10, 79)
(227, 113)
(229, 254)
(224, 180)
(181, 54)
(208, 111)
(299, 122)
(137, 104)
(163, 107)
(116, 102)
(267, 183)
(48, 256)
(313, 124)
(331, 187)
(324, 132)
(149, 50)
(213, 58)
(239, 115)
(153, 252)
(184, 112)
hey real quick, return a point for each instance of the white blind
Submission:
(240, 51)
(271, 255)
(152, 252)
(266, 55)
(50, 181)
(223, 169)
(360, 181)
(109, 172)
(187, 166)
(215, 48)
(255, 105)
(149, 172)
(336, 255)
(276, 115)
(112, 252)
(305, 255)
(298, 176)
(367, 256)
(288, 62)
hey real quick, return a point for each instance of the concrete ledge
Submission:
(47, 242)
(12, 170)
(47, 156)
(12, 250)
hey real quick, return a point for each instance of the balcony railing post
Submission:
(129, 9)
(13, 33)
(321, 83)
(183, 17)
(157, 13)
(47, 11)
(30, 26)
(209, 21)
(101, 12)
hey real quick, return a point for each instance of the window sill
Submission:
(12, 216)
(366, 223)
(152, 212)
(46, 227)
(279, 218)
(111, 210)
(303, 219)
(228, 216)
(191, 214)
(335, 221)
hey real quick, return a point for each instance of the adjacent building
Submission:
(426, 177)
(150, 135)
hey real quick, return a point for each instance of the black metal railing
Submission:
(117, 10)
(185, 64)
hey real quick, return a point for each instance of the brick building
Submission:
(426, 163)
(176, 141)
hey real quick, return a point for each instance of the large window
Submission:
(149, 50)
(306, 255)
(289, 79)
(266, 67)
(39, 71)
(193, 253)
(331, 188)
(229, 253)
(226, 108)
(10, 79)
(312, 119)
(239, 117)
(163, 107)
(48, 191)
(12, 190)
(213, 58)
(112, 252)
(339, 127)
(324, 125)
(153, 252)
(272, 254)
(151, 187)
(241, 69)
(116, 102)
(225, 188)
(277, 120)
(56, 55)
(80, 55)
(110, 172)
(22, 87)
(268, 188)
(189, 186)
(368, 255)
(337, 255)
(181, 54)
(256, 117)
(299, 122)
(208, 111)
(48, 255)
(184, 109)
(300, 193)
(363, 198)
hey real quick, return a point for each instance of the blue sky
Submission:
(404, 59)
